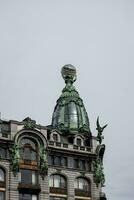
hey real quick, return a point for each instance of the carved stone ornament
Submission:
(29, 123)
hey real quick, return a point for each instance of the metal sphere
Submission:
(68, 72)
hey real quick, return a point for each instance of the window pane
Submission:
(76, 163)
(50, 160)
(79, 142)
(62, 183)
(33, 155)
(51, 181)
(82, 184)
(57, 160)
(34, 197)
(63, 161)
(27, 154)
(28, 176)
(27, 197)
(34, 177)
(3, 153)
(82, 164)
(2, 175)
(20, 196)
(2, 195)
(56, 181)
(55, 137)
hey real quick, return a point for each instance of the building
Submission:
(62, 161)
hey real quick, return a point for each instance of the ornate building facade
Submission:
(62, 161)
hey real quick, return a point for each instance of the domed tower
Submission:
(70, 115)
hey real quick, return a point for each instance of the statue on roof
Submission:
(100, 130)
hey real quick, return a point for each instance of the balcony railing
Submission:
(2, 184)
(83, 193)
(58, 190)
(29, 187)
(65, 145)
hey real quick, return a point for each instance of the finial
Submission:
(69, 73)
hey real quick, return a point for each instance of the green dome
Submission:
(70, 115)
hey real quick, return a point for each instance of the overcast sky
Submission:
(38, 37)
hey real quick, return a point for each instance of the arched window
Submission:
(28, 175)
(58, 184)
(82, 187)
(2, 184)
(28, 149)
(57, 181)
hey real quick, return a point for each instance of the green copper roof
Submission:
(70, 115)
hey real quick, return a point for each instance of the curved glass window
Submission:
(28, 149)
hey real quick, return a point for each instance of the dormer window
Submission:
(79, 142)
(55, 137)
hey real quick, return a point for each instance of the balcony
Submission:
(2, 184)
(29, 187)
(58, 190)
(82, 193)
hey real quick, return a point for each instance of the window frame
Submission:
(84, 182)
(29, 176)
(60, 159)
(3, 183)
(59, 180)
(22, 197)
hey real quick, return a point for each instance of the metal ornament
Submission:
(100, 129)
(43, 163)
(99, 176)
(14, 151)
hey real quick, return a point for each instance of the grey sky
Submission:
(38, 37)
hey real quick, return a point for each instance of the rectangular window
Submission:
(51, 160)
(80, 164)
(79, 142)
(76, 163)
(64, 161)
(57, 160)
(23, 196)
(3, 153)
(55, 137)
(28, 176)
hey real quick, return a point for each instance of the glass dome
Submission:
(70, 115)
